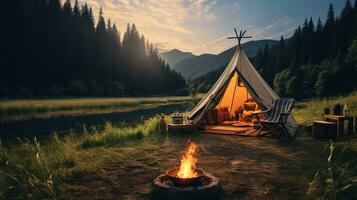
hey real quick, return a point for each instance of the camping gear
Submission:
(324, 130)
(346, 110)
(337, 109)
(277, 115)
(226, 92)
(177, 118)
(340, 120)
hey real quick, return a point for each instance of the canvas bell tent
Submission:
(238, 90)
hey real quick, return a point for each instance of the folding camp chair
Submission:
(276, 116)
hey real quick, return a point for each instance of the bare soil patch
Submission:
(249, 168)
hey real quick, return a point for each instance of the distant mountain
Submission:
(195, 66)
(174, 56)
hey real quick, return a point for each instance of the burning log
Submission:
(187, 173)
(187, 181)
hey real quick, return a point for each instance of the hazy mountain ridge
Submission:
(196, 66)
(174, 56)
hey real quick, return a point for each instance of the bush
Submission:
(321, 85)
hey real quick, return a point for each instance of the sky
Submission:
(202, 26)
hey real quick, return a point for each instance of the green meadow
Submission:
(121, 162)
(310, 110)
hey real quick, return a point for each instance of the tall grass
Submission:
(113, 136)
(337, 176)
(26, 173)
(314, 109)
(30, 170)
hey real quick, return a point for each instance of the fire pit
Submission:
(187, 181)
(181, 182)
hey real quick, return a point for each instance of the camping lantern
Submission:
(346, 110)
(177, 118)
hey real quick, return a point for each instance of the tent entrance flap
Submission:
(234, 96)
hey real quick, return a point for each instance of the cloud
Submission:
(161, 21)
(160, 14)
(171, 24)
(282, 26)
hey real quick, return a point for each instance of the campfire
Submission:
(187, 181)
(187, 173)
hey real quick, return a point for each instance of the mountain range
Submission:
(191, 66)
(174, 56)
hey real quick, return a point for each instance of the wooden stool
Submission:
(324, 130)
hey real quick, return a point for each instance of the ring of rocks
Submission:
(163, 187)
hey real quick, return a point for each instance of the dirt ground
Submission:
(249, 168)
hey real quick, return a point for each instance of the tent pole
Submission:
(234, 93)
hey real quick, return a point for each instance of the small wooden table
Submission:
(324, 130)
(340, 120)
(179, 127)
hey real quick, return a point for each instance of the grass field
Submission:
(121, 162)
(313, 109)
(18, 110)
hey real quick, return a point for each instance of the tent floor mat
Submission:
(231, 130)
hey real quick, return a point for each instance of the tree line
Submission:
(54, 49)
(319, 59)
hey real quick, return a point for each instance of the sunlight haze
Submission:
(201, 26)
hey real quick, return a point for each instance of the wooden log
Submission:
(324, 130)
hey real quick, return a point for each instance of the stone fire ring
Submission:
(163, 187)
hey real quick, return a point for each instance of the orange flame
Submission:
(188, 162)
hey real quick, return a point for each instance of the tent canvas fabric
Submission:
(239, 68)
